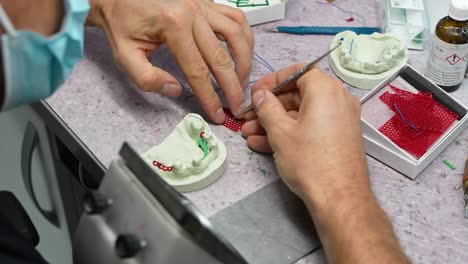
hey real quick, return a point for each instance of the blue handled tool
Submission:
(303, 30)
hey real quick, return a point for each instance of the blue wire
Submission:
(363, 20)
(263, 62)
(404, 119)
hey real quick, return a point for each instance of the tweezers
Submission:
(290, 79)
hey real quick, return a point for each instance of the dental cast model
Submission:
(364, 61)
(191, 157)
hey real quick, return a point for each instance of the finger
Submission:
(149, 78)
(259, 144)
(273, 79)
(270, 112)
(293, 114)
(196, 72)
(239, 45)
(251, 115)
(254, 127)
(237, 16)
(219, 61)
(290, 101)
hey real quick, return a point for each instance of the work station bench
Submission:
(98, 109)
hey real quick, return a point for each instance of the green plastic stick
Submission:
(450, 165)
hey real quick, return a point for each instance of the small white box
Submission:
(259, 11)
(383, 149)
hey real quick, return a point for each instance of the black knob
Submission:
(95, 203)
(128, 245)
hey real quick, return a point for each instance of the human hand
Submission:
(192, 30)
(318, 149)
(314, 133)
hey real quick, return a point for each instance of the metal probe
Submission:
(291, 78)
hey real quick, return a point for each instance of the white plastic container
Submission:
(383, 149)
(407, 19)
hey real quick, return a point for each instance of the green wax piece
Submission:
(203, 146)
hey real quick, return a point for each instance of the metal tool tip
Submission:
(271, 30)
(240, 115)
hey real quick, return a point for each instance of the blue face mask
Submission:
(35, 66)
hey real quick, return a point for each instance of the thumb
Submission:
(147, 77)
(270, 111)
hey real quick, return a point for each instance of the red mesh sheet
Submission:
(232, 123)
(418, 122)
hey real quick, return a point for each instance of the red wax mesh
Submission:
(418, 122)
(231, 122)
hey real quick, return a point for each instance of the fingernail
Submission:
(219, 116)
(170, 89)
(257, 98)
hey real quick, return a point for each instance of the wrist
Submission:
(335, 202)
(337, 193)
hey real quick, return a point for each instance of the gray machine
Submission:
(136, 217)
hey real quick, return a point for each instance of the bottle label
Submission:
(447, 63)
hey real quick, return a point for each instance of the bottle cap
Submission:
(459, 10)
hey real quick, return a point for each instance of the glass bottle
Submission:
(448, 59)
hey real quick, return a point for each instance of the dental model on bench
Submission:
(191, 157)
(363, 61)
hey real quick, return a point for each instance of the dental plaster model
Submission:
(364, 61)
(191, 157)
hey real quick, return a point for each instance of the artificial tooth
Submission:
(208, 135)
(197, 125)
(212, 145)
(177, 165)
(196, 162)
(347, 58)
(368, 66)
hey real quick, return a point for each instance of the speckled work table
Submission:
(104, 109)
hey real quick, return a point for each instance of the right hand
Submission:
(319, 153)
(318, 149)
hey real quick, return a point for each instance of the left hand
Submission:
(192, 30)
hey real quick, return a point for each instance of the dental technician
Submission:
(318, 149)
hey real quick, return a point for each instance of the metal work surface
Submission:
(104, 109)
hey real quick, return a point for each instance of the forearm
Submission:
(354, 229)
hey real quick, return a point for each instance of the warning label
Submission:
(453, 59)
(447, 63)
